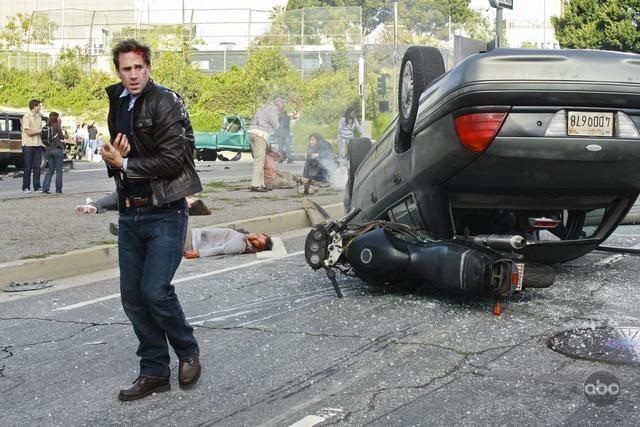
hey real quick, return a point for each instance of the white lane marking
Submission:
(311, 420)
(82, 304)
(236, 267)
(278, 250)
(184, 279)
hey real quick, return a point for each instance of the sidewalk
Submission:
(43, 226)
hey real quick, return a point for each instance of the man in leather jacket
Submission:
(151, 158)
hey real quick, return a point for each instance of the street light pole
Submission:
(227, 46)
(498, 27)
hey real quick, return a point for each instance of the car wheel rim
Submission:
(406, 91)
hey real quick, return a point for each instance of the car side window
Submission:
(3, 123)
(14, 125)
(406, 212)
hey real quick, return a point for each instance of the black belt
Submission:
(132, 202)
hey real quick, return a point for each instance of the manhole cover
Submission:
(612, 345)
(27, 286)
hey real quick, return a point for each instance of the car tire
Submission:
(231, 159)
(207, 154)
(420, 66)
(357, 150)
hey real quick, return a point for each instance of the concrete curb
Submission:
(103, 257)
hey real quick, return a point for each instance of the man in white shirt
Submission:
(32, 146)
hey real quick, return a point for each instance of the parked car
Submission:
(232, 136)
(10, 140)
(541, 144)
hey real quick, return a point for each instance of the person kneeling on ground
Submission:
(320, 158)
(226, 241)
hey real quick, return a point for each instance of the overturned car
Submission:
(513, 160)
(537, 145)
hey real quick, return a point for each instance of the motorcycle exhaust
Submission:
(500, 242)
(462, 267)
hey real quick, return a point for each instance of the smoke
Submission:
(337, 172)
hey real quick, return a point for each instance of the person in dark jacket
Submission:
(320, 159)
(54, 153)
(283, 138)
(150, 157)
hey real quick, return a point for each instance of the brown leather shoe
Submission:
(189, 371)
(143, 387)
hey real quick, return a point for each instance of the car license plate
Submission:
(587, 123)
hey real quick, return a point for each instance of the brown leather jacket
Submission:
(163, 138)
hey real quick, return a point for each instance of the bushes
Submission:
(380, 124)
(267, 74)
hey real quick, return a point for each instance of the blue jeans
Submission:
(55, 163)
(32, 157)
(150, 248)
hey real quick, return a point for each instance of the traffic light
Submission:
(382, 85)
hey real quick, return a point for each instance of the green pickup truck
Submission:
(232, 136)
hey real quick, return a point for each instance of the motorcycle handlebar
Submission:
(349, 217)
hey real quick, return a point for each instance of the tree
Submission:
(42, 28)
(432, 17)
(374, 12)
(589, 24)
(160, 38)
(16, 30)
(422, 17)
(23, 28)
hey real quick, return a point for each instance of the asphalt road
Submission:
(279, 348)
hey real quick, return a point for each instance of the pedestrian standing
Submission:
(265, 122)
(84, 135)
(150, 157)
(32, 147)
(55, 153)
(283, 137)
(77, 137)
(99, 144)
(346, 125)
(92, 133)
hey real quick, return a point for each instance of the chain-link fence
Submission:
(213, 39)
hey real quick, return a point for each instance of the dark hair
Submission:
(316, 136)
(33, 104)
(347, 112)
(268, 243)
(53, 118)
(131, 45)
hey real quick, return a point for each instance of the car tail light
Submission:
(544, 222)
(477, 130)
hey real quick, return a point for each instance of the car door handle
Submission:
(374, 198)
(396, 178)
